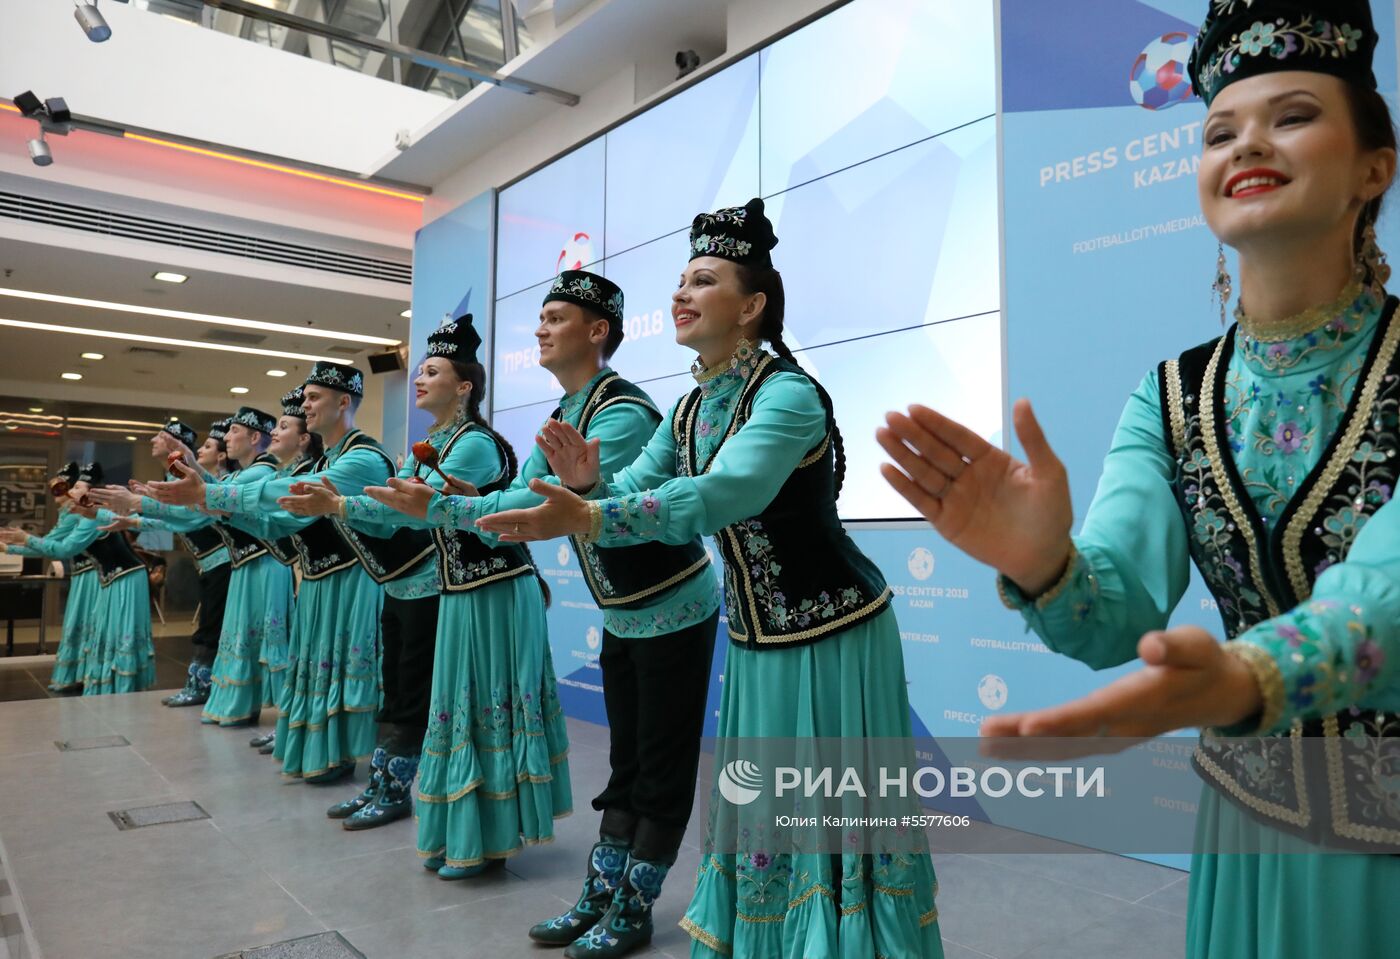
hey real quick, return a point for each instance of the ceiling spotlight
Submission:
(36, 409)
(276, 372)
(407, 314)
(132, 438)
(39, 151)
(166, 277)
(93, 356)
(29, 105)
(238, 389)
(71, 376)
(91, 20)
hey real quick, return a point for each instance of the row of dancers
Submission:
(417, 637)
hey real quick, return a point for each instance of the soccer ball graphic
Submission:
(991, 689)
(578, 250)
(1158, 80)
(921, 564)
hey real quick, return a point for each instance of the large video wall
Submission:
(871, 135)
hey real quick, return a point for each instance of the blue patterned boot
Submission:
(626, 926)
(198, 694)
(188, 688)
(395, 797)
(605, 867)
(343, 810)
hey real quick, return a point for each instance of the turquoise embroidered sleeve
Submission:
(786, 422)
(254, 506)
(67, 543)
(1132, 566)
(633, 518)
(1341, 648)
(454, 512)
(177, 519)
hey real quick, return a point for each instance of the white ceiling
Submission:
(31, 361)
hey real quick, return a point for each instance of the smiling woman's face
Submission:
(1282, 161)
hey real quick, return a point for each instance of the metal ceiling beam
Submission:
(480, 73)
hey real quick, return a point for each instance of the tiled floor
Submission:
(268, 866)
(30, 680)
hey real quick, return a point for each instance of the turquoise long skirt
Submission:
(333, 677)
(782, 904)
(1290, 902)
(495, 772)
(79, 626)
(248, 671)
(121, 657)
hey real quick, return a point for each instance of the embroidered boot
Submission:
(606, 863)
(267, 748)
(257, 742)
(343, 810)
(187, 689)
(198, 695)
(626, 926)
(395, 797)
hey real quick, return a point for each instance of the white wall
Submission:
(749, 23)
(171, 76)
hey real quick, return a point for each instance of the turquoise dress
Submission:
(770, 902)
(494, 773)
(1283, 405)
(79, 621)
(119, 656)
(327, 714)
(252, 660)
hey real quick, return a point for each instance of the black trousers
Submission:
(213, 595)
(655, 691)
(410, 636)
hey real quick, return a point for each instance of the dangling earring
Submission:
(1372, 267)
(1223, 285)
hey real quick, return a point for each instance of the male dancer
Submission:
(660, 612)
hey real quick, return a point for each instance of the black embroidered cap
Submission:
(91, 473)
(181, 432)
(1246, 38)
(291, 403)
(588, 290)
(254, 420)
(218, 429)
(457, 341)
(69, 473)
(337, 376)
(739, 233)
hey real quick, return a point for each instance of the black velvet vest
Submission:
(1256, 573)
(626, 577)
(114, 558)
(792, 575)
(465, 561)
(284, 550)
(202, 542)
(244, 547)
(386, 558)
(326, 546)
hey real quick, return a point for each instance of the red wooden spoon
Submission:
(426, 455)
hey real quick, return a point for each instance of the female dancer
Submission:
(296, 449)
(1269, 458)
(120, 658)
(754, 456)
(78, 619)
(494, 771)
(247, 674)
